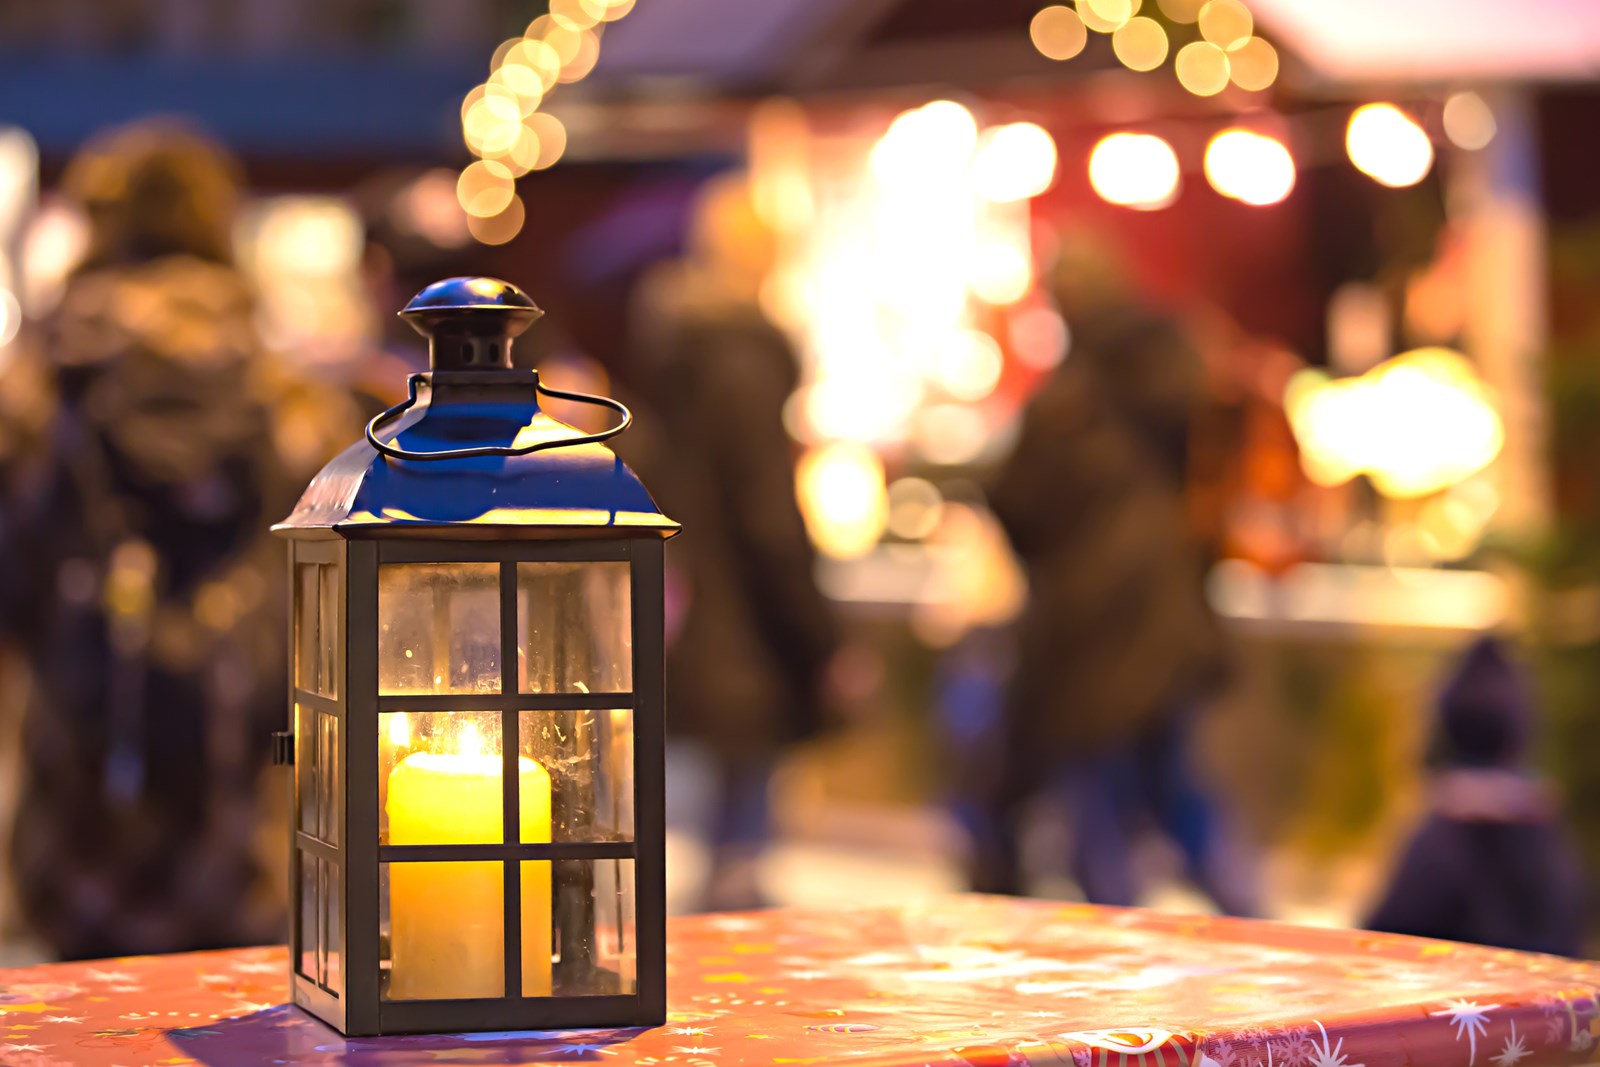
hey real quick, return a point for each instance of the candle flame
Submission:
(469, 741)
(400, 730)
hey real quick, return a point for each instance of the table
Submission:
(974, 981)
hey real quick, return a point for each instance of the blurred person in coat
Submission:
(749, 634)
(1490, 863)
(1116, 648)
(143, 591)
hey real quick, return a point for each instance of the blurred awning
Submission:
(1439, 40)
(796, 45)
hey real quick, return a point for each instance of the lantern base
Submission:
(478, 1016)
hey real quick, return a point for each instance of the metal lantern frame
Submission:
(338, 709)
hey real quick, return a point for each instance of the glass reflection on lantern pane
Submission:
(586, 947)
(574, 628)
(446, 930)
(308, 662)
(588, 755)
(438, 628)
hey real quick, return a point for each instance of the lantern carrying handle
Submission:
(498, 450)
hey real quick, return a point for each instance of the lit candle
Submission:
(445, 926)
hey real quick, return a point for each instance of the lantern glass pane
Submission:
(328, 630)
(439, 779)
(306, 792)
(328, 779)
(578, 928)
(438, 628)
(574, 628)
(307, 964)
(307, 627)
(332, 969)
(588, 757)
(446, 934)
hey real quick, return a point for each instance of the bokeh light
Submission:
(10, 317)
(1253, 64)
(1013, 162)
(1226, 23)
(1387, 145)
(968, 364)
(1137, 170)
(1141, 44)
(937, 135)
(1202, 68)
(1181, 10)
(583, 60)
(1038, 337)
(1469, 121)
(572, 14)
(551, 136)
(500, 228)
(608, 10)
(1415, 424)
(1107, 16)
(842, 496)
(1248, 166)
(914, 508)
(950, 434)
(1001, 273)
(485, 188)
(1057, 32)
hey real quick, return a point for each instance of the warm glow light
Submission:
(500, 228)
(10, 317)
(968, 365)
(841, 492)
(1137, 170)
(1107, 16)
(469, 741)
(1253, 64)
(1058, 32)
(1387, 145)
(1013, 162)
(1141, 44)
(935, 135)
(399, 730)
(1225, 23)
(1248, 166)
(485, 188)
(1415, 424)
(1202, 68)
(521, 81)
(1468, 121)
(1001, 273)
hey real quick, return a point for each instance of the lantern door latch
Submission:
(283, 748)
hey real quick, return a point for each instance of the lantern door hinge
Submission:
(283, 748)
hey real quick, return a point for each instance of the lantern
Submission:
(476, 685)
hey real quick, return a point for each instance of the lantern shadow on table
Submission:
(286, 1034)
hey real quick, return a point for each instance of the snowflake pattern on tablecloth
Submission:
(969, 982)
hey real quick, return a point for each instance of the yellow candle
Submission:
(445, 927)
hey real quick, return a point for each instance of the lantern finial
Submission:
(469, 322)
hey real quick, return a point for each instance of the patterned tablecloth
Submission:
(967, 981)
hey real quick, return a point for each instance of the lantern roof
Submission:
(472, 454)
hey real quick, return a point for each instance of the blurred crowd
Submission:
(151, 435)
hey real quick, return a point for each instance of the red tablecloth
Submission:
(968, 981)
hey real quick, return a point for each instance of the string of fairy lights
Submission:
(501, 120)
(1141, 170)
